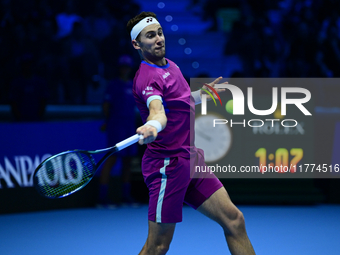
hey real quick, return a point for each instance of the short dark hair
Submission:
(132, 22)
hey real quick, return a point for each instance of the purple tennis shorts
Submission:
(170, 184)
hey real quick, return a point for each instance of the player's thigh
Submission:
(160, 234)
(167, 180)
(220, 208)
(202, 186)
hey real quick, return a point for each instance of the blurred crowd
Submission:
(61, 51)
(287, 38)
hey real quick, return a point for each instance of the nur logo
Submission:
(238, 99)
(204, 98)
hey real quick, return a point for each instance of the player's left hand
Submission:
(212, 84)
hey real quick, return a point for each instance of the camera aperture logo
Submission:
(238, 105)
(214, 91)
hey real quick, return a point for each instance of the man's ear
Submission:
(135, 44)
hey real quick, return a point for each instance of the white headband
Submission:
(141, 25)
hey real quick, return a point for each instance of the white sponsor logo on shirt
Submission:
(166, 75)
(148, 88)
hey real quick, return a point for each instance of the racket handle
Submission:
(127, 142)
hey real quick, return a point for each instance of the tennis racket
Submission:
(67, 172)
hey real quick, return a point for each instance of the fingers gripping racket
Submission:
(67, 172)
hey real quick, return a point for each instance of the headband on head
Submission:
(141, 25)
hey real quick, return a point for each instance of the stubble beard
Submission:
(160, 54)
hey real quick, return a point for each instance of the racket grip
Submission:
(127, 142)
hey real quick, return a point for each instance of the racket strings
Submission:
(64, 174)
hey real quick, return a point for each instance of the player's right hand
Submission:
(149, 134)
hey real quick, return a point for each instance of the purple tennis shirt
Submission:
(167, 84)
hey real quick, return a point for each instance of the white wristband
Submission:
(156, 124)
(197, 96)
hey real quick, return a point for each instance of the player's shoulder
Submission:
(143, 77)
(171, 63)
(146, 74)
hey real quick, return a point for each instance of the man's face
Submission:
(152, 42)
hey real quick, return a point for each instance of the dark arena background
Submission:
(61, 66)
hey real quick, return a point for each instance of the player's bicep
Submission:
(156, 107)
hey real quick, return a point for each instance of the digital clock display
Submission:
(281, 158)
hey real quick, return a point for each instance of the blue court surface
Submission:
(274, 230)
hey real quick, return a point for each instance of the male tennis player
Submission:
(165, 103)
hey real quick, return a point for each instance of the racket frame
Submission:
(109, 152)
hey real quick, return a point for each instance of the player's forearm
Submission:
(156, 119)
(156, 122)
(197, 96)
(160, 117)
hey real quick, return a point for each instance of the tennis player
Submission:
(166, 105)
